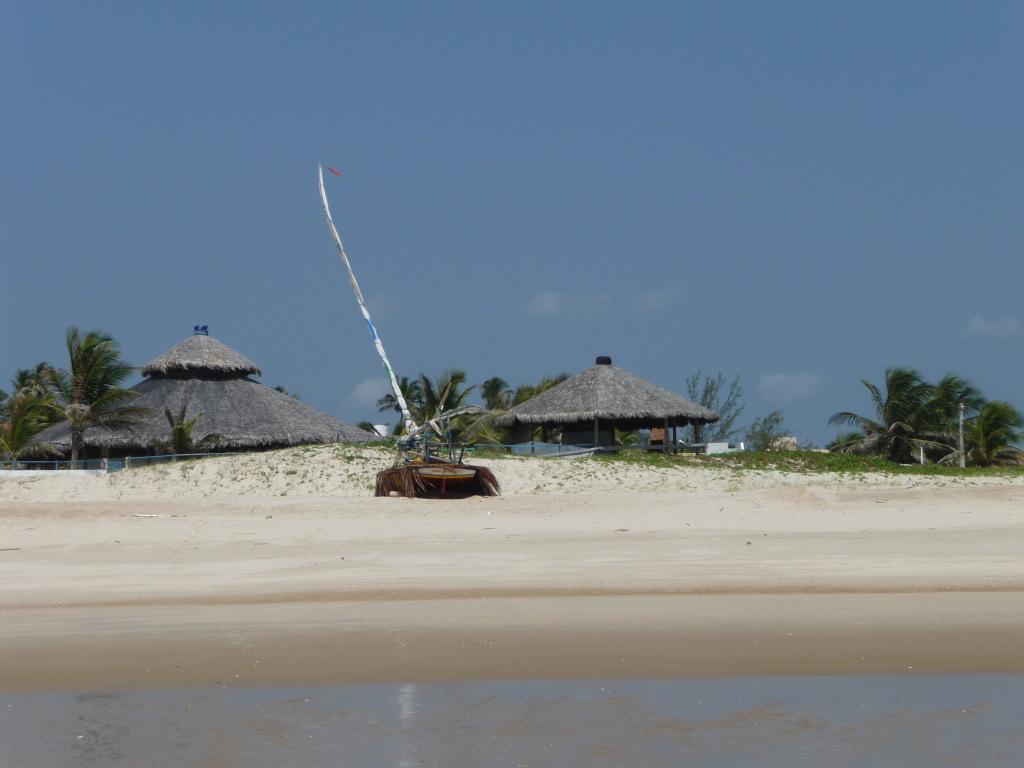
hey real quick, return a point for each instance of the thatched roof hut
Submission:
(212, 382)
(204, 356)
(602, 398)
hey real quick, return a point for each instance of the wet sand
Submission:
(340, 643)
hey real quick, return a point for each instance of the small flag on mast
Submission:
(335, 171)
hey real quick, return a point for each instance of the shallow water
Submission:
(939, 720)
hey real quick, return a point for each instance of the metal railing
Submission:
(105, 465)
(58, 465)
(533, 448)
(134, 462)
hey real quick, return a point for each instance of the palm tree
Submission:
(445, 393)
(410, 389)
(89, 392)
(950, 392)
(940, 416)
(181, 434)
(496, 393)
(29, 381)
(26, 417)
(844, 441)
(525, 391)
(989, 437)
(902, 421)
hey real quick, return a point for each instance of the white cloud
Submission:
(551, 303)
(369, 391)
(1009, 325)
(788, 386)
(547, 304)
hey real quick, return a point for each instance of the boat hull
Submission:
(437, 481)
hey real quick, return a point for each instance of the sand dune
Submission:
(345, 471)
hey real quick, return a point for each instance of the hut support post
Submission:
(595, 431)
(664, 444)
(675, 443)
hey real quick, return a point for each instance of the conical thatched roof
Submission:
(200, 354)
(210, 380)
(607, 392)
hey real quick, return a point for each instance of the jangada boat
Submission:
(423, 469)
(436, 469)
(436, 481)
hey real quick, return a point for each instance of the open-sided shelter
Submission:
(591, 405)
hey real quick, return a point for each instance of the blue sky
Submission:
(799, 193)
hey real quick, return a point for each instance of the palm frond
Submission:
(862, 423)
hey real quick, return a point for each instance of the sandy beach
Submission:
(281, 568)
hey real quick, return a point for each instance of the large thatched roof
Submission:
(605, 391)
(210, 380)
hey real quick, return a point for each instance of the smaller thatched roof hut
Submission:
(212, 382)
(591, 404)
(202, 355)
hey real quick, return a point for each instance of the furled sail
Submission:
(411, 429)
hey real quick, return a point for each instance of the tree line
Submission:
(914, 420)
(88, 392)
(427, 397)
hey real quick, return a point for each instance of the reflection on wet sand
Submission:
(944, 720)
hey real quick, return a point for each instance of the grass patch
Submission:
(809, 462)
(642, 458)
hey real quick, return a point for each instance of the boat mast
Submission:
(411, 429)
